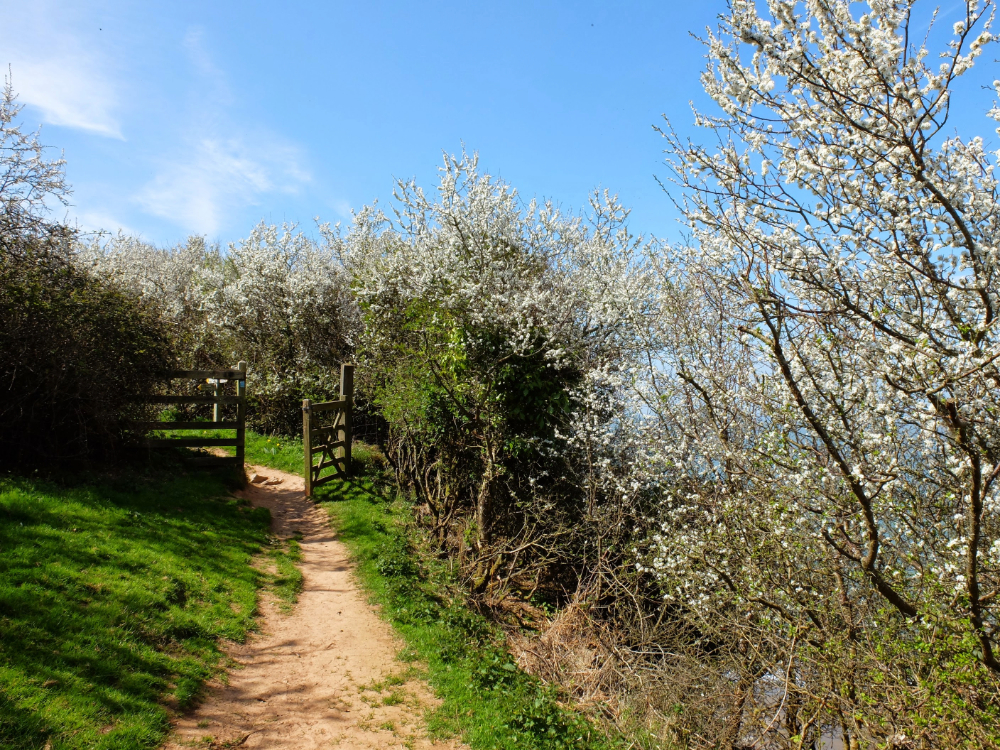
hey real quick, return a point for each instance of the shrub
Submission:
(275, 299)
(73, 349)
(487, 323)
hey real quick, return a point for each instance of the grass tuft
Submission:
(286, 582)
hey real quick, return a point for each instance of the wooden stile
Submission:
(347, 396)
(217, 399)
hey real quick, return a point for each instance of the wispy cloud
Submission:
(67, 92)
(99, 221)
(200, 168)
(220, 168)
(210, 73)
(217, 177)
(54, 71)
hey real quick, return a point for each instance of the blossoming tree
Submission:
(486, 319)
(838, 423)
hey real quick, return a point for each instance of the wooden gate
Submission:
(216, 381)
(326, 430)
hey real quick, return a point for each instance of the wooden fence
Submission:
(216, 379)
(326, 430)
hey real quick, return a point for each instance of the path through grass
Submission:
(486, 698)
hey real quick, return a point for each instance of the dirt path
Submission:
(326, 674)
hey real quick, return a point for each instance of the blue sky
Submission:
(205, 117)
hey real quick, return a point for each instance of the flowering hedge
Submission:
(275, 300)
(486, 320)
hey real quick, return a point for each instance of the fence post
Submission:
(347, 394)
(241, 414)
(217, 407)
(307, 445)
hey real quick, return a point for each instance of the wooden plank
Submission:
(185, 425)
(319, 423)
(241, 413)
(207, 374)
(327, 464)
(323, 433)
(190, 399)
(307, 443)
(327, 446)
(339, 405)
(191, 442)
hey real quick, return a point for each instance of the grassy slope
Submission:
(113, 595)
(486, 699)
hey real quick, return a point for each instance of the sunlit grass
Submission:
(486, 699)
(287, 578)
(114, 595)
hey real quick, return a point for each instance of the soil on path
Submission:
(325, 675)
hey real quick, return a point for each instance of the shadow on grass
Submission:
(114, 594)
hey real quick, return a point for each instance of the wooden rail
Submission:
(216, 378)
(324, 438)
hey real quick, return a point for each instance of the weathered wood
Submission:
(329, 446)
(238, 375)
(207, 374)
(185, 425)
(332, 425)
(324, 480)
(191, 442)
(307, 444)
(340, 405)
(217, 407)
(326, 464)
(325, 440)
(347, 395)
(322, 436)
(164, 399)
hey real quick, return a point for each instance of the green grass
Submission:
(114, 594)
(486, 699)
(286, 582)
(275, 451)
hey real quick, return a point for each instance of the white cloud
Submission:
(53, 69)
(67, 92)
(217, 177)
(210, 73)
(221, 169)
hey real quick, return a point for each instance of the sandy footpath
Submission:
(324, 675)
